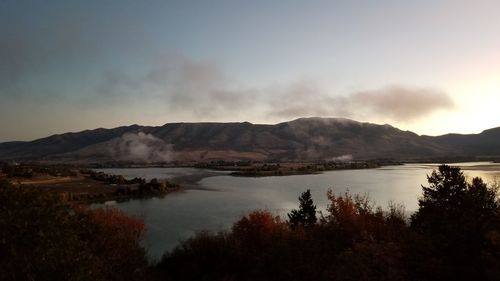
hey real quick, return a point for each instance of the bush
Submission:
(41, 238)
(260, 246)
(454, 235)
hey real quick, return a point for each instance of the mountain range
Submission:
(298, 140)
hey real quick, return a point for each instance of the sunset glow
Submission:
(69, 65)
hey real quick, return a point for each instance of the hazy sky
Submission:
(432, 67)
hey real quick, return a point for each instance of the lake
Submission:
(217, 201)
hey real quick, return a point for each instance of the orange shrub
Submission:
(257, 223)
(124, 226)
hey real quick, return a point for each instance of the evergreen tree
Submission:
(457, 218)
(306, 214)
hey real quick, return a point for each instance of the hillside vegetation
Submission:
(304, 139)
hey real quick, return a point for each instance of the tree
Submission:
(43, 238)
(456, 217)
(118, 244)
(306, 214)
(450, 199)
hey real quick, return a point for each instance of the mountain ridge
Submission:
(311, 138)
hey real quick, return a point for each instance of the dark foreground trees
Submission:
(41, 238)
(460, 222)
(454, 235)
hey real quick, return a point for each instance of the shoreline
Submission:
(82, 189)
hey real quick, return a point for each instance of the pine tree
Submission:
(306, 214)
(458, 217)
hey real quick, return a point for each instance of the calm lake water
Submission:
(216, 202)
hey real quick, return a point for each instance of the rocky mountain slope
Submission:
(301, 139)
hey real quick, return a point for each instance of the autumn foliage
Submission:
(118, 243)
(353, 242)
(454, 235)
(257, 224)
(42, 238)
(126, 228)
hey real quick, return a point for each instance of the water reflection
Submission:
(217, 201)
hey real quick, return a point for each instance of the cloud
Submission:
(343, 158)
(174, 86)
(393, 103)
(47, 63)
(401, 103)
(301, 98)
(141, 148)
(181, 84)
(205, 92)
(31, 51)
(41, 47)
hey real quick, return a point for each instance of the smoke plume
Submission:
(343, 158)
(142, 148)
